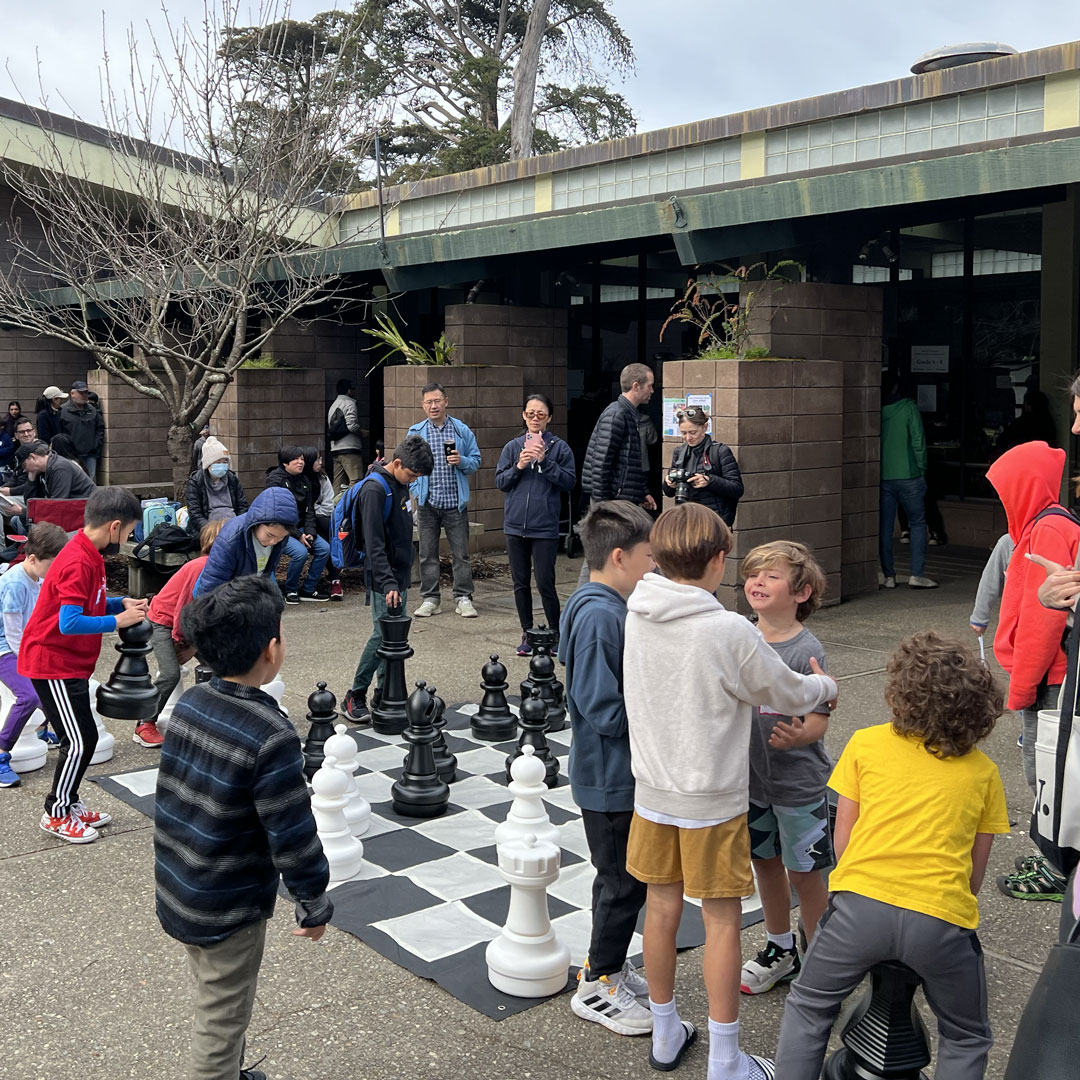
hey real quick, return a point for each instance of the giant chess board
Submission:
(429, 895)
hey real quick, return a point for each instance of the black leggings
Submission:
(526, 556)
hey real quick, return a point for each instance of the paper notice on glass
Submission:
(927, 398)
(930, 359)
(671, 425)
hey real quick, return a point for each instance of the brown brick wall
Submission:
(136, 434)
(29, 364)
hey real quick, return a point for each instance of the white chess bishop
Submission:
(528, 816)
(527, 959)
(343, 851)
(343, 749)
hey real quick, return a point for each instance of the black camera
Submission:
(680, 479)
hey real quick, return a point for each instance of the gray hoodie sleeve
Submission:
(992, 581)
(764, 679)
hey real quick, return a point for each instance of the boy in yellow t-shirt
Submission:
(919, 806)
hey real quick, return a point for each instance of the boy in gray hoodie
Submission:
(692, 673)
(615, 535)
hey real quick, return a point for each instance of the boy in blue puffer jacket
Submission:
(615, 536)
(252, 542)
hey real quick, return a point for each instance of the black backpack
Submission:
(338, 428)
(165, 539)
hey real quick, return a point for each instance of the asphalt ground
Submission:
(90, 986)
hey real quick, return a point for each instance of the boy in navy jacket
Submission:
(615, 536)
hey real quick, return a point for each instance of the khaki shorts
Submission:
(711, 863)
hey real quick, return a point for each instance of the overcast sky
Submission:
(693, 60)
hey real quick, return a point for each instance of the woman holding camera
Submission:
(702, 469)
(534, 470)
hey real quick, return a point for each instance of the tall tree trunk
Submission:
(525, 74)
(180, 442)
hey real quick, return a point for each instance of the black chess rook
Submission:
(445, 761)
(420, 792)
(322, 715)
(494, 722)
(534, 734)
(130, 693)
(388, 715)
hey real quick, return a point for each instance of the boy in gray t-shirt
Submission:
(789, 766)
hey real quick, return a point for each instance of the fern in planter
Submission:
(391, 339)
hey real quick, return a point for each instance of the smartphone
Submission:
(534, 440)
(449, 448)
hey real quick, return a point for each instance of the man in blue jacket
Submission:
(442, 502)
(252, 542)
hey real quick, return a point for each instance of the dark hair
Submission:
(231, 625)
(940, 692)
(543, 399)
(63, 445)
(686, 538)
(695, 414)
(311, 455)
(344, 385)
(24, 419)
(414, 454)
(111, 504)
(431, 388)
(45, 540)
(10, 403)
(610, 525)
(290, 452)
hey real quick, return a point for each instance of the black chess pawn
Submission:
(534, 734)
(493, 722)
(542, 677)
(322, 715)
(130, 693)
(388, 715)
(203, 674)
(420, 792)
(445, 761)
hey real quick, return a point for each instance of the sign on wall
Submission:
(672, 405)
(930, 359)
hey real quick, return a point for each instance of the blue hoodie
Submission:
(591, 647)
(233, 554)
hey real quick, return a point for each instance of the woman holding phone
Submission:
(534, 470)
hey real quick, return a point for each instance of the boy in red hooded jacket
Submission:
(1028, 644)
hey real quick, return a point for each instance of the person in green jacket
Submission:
(903, 483)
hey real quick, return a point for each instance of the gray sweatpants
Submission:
(854, 934)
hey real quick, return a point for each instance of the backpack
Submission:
(166, 538)
(337, 427)
(347, 548)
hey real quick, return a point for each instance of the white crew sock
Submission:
(784, 941)
(668, 1034)
(726, 1061)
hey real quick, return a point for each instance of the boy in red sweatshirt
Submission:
(60, 647)
(1028, 644)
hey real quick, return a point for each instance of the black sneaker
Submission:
(354, 707)
(292, 598)
(314, 598)
(771, 966)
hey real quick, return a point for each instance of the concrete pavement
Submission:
(91, 987)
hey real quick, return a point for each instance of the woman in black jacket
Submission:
(712, 473)
(214, 491)
(295, 472)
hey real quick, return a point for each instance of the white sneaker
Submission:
(465, 608)
(428, 608)
(772, 965)
(921, 582)
(632, 979)
(611, 1003)
(886, 582)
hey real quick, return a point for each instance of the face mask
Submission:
(112, 547)
(219, 469)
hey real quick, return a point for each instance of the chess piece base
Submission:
(429, 800)
(499, 729)
(527, 967)
(389, 721)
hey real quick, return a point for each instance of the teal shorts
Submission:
(799, 833)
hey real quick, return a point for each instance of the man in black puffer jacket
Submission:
(616, 463)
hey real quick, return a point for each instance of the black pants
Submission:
(528, 555)
(617, 898)
(66, 705)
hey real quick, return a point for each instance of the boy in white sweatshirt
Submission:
(692, 673)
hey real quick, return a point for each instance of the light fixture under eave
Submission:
(955, 55)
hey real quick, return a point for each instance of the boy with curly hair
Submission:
(919, 806)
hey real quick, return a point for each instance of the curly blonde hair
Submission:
(940, 692)
(803, 569)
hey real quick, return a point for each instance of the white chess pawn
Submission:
(166, 713)
(343, 851)
(357, 809)
(528, 816)
(106, 741)
(527, 959)
(29, 752)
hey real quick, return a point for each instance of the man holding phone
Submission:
(442, 502)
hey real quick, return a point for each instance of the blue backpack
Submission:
(347, 548)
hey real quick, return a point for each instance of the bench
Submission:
(476, 530)
(145, 579)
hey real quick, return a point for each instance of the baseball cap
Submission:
(79, 384)
(51, 392)
(27, 449)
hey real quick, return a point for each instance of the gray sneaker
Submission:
(427, 609)
(612, 1004)
(921, 582)
(465, 608)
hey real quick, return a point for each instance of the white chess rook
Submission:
(105, 739)
(343, 851)
(343, 749)
(527, 959)
(528, 816)
(29, 752)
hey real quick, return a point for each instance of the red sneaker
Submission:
(90, 818)
(147, 734)
(69, 828)
(337, 593)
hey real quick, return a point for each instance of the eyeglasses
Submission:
(693, 413)
(536, 416)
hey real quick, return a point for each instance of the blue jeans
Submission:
(369, 661)
(89, 463)
(910, 495)
(297, 555)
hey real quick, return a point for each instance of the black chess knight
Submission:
(445, 762)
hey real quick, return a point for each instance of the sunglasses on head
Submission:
(693, 413)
